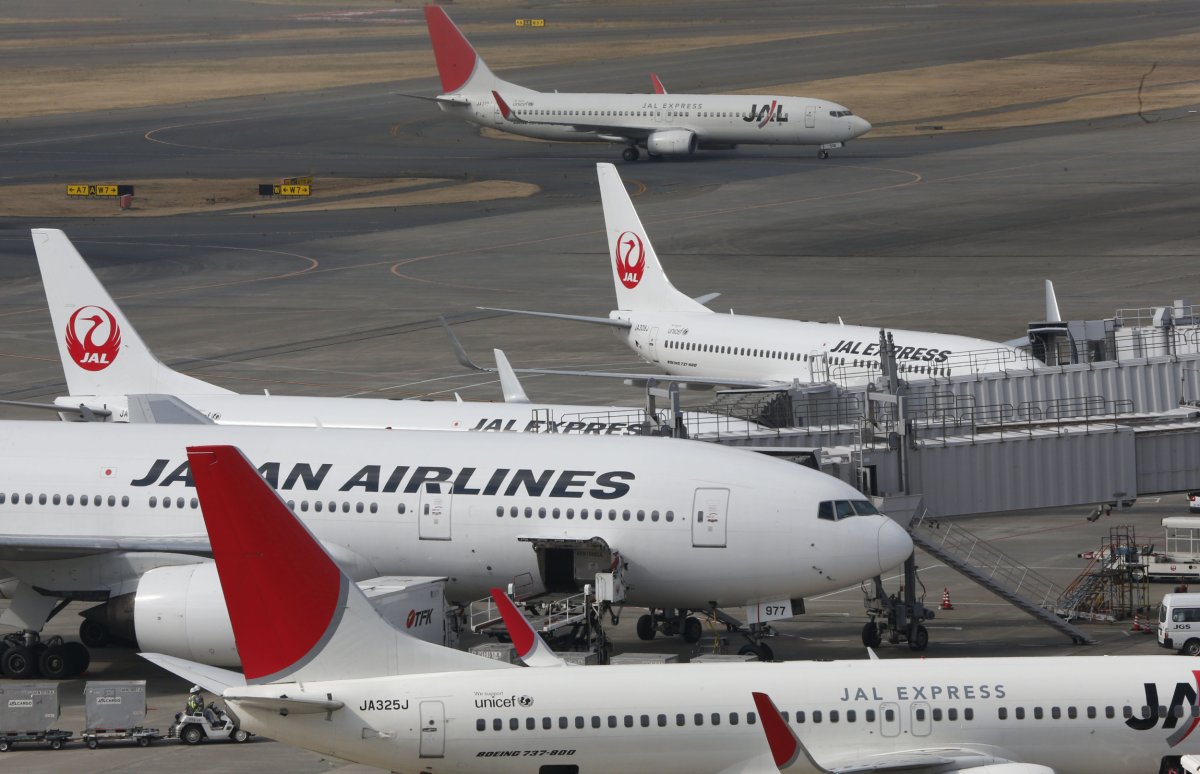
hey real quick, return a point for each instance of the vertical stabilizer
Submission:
(296, 616)
(639, 279)
(101, 352)
(459, 65)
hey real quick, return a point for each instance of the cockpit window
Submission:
(836, 510)
(840, 113)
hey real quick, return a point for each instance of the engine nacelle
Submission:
(180, 611)
(672, 142)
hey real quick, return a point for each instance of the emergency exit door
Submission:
(433, 729)
(653, 344)
(710, 511)
(433, 521)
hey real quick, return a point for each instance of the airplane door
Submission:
(433, 522)
(889, 719)
(653, 345)
(810, 116)
(921, 722)
(710, 511)
(433, 729)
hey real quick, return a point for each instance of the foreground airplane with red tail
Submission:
(664, 124)
(323, 671)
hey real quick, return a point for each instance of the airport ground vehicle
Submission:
(1179, 623)
(214, 722)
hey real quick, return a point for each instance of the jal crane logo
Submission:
(631, 259)
(101, 338)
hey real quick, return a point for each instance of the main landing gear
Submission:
(24, 655)
(630, 154)
(679, 622)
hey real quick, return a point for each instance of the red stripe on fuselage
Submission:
(280, 586)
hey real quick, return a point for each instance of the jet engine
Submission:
(180, 611)
(672, 142)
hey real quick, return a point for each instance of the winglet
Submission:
(658, 87)
(786, 748)
(505, 110)
(460, 353)
(1052, 313)
(531, 648)
(509, 383)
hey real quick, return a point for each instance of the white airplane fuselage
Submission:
(715, 119)
(771, 349)
(368, 496)
(1074, 715)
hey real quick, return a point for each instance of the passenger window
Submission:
(1055, 713)
(1020, 713)
(680, 719)
(952, 714)
(833, 716)
(800, 716)
(1037, 713)
(514, 724)
(653, 515)
(850, 716)
(318, 506)
(968, 714)
(733, 718)
(1003, 713)
(402, 508)
(497, 724)
(716, 718)
(499, 510)
(178, 502)
(612, 721)
(562, 721)
(480, 724)
(194, 503)
(670, 515)
(531, 724)
(870, 716)
(375, 507)
(662, 721)
(56, 499)
(816, 716)
(579, 721)
(699, 719)
(1091, 713)
(937, 713)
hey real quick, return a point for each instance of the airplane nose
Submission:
(859, 126)
(894, 545)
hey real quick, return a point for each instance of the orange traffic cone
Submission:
(946, 599)
(1137, 623)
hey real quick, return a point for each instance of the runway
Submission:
(937, 229)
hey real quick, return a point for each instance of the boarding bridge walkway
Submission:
(975, 558)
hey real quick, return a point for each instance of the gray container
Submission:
(722, 658)
(111, 705)
(500, 651)
(28, 707)
(644, 658)
(579, 658)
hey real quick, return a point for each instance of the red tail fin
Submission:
(658, 86)
(785, 747)
(455, 56)
(284, 594)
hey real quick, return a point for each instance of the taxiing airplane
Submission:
(693, 344)
(113, 376)
(324, 672)
(108, 513)
(664, 124)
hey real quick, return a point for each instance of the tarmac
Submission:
(949, 231)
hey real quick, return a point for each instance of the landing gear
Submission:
(762, 651)
(692, 630)
(920, 640)
(646, 628)
(630, 154)
(871, 637)
(823, 151)
(18, 662)
(822, 154)
(899, 617)
(24, 655)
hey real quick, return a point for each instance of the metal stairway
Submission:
(994, 570)
(1087, 595)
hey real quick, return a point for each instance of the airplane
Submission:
(113, 376)
(664, 124)
(106, 513)
(694, 345)
(323, 672)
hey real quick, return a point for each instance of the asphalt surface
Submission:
(950, 232)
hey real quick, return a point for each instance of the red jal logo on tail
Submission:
(631, 259)
(101, 338)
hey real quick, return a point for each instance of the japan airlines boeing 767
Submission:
(663, 124)
(111, 374)
(324, 672)
(692, 344)
(108, 513)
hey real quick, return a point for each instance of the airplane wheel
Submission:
(692, 630)
(192, 734)
(630, 154)
(645, 627)
(920, 640)
(78, 657)
(764, 652)
(54, 663)
(870, 635)
(18, 662)
(823, 154)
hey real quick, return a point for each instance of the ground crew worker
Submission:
(195, 702)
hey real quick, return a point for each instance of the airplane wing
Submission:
(33, 547)
(791, 755)
(611, 132)
(638, 380)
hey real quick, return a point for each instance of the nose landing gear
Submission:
(630, 154)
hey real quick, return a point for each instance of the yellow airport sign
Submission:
(305, 180)
(531, 22)
(92, 190)
(295, 190)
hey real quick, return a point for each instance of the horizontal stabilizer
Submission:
(460, 101)
(164, 410)
(284, 705)
(560, 316)
(82, 411)
(707, 297)
(210, 678)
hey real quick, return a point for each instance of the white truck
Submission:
(1179, 623)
